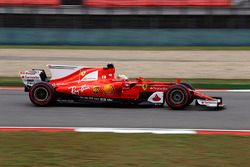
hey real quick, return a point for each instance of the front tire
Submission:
(42, 94)
(178, 97)
(189, 86)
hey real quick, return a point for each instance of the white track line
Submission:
(225, 90)
(136, 130)
(128, 130)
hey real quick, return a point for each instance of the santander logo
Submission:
(156, 98)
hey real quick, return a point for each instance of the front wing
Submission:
(204, 100)
(216, 103)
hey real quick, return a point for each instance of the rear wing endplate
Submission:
(31, 77)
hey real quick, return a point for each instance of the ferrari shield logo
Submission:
(83, 73)
(144, 87)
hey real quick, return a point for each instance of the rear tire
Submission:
(178, 97)
(42, 94)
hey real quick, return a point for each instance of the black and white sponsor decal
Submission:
(158, 88)
(209, 103)
(93, 76)
(97, 99)
(29, 78)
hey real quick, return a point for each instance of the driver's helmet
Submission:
(122, 76)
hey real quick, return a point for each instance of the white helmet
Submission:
(122, 76)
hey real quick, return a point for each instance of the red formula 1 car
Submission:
(84, 84)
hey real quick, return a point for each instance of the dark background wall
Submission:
(71, 2)
(75, 25)
(124, 21)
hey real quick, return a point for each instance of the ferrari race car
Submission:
(85, 84)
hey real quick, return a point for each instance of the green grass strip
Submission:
(125, 47)
(197, 83)
(10, 81)
(212, 83)
(111, 150)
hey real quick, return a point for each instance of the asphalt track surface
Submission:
(16, 110)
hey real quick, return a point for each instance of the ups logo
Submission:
(96, 89)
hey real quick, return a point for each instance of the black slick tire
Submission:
(42, 94)
(178, 97)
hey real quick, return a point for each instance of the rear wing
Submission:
(32, 77)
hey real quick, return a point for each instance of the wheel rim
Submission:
(41, 94)
(177, 96)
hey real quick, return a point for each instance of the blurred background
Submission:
(125, 22)
(203, 42)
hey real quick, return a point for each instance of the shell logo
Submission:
(108, 89)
